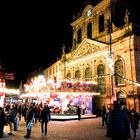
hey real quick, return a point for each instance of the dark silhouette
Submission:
(79, 112)
(107, 122)
(119, 124)
(24, 111)
(45, 118)
(134, 119)
(37, 113)
(2, 121)
(124, 108)
(11, 115)
(29, 121)
(103, 113)
(19, 111)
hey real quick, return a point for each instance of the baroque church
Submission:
(105, 50)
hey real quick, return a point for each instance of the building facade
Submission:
(104, 53)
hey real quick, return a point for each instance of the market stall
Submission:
(63, 96)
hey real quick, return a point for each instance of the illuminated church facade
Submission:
(104, 53)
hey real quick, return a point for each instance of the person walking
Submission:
(29, 121)
(2, 121)
(24, 111)
(19, 111)
(37, 113)
(79, 112)
(45, 118)
(119, 123)
(11, 117)
(134, 119)
(103, 113)
(107, 122)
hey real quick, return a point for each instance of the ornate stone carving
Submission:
(87, 49)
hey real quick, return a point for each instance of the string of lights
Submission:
(131, 81)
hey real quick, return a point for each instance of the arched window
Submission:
(119, 71)
(101, 78)
(78, 74)
(121, 97)
(89, 30)
(79, 36)
(88, 73)
(68, 75)
(101, 23)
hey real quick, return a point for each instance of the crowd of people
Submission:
(120, 121)
(11, 114)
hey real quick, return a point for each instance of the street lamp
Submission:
(110, 56)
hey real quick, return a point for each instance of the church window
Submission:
(101, 23)
(101, 78)
(119, 73)
(79, 36)
(88, 73)
(89, 30)
(78, 74)
(68, 75)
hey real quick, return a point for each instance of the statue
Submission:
(63, 49)
(63, 57)
(73, 44)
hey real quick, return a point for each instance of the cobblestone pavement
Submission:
(85, 129)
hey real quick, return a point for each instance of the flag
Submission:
(9, 76)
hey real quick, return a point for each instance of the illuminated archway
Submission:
(121, 97)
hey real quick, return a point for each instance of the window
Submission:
(56, 68)
(68, 75)
(89, 30)
(79, 36)
(101, 23)
(119, 71)
(101, 78)
(88, 73)
(49, 72)
(78, 74)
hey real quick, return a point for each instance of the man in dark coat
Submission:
(11, 117)
(134, 119)
(79, 112)
(2, 121)
(103, 113)
(29, 120)
(45, 118)
(119, 123)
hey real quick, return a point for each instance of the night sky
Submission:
(33, 33)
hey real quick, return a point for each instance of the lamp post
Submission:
(110, 57)
(127, 15)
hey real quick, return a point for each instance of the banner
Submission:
(9, 76)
